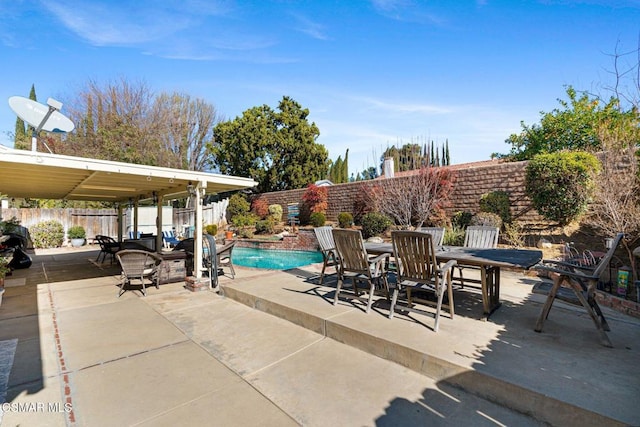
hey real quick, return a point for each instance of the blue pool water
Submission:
(274, 259)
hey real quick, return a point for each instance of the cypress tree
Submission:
(448, 158)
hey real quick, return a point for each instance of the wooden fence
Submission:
(105, 221)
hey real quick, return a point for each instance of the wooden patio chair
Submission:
(418, 270)
(436, 232)
(354, 263)
(324, 236)
(581, 283)
(138, 265)
(479, 237)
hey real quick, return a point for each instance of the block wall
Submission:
(470, 184)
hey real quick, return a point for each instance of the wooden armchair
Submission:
(418, 270)
(583, 281)
(480, 237)
(327, 248)
(437, 233)
(354, 263)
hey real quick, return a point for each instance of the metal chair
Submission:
(108, 247)
(354, 263)
(327, 248)
(138, 265)
(418, 271)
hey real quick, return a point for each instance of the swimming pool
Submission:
(273, 259)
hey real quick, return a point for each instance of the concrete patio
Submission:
(271, 349)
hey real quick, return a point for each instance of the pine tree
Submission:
(33, 97)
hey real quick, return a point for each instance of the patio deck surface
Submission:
(271, 349)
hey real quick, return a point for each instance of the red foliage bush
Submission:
(260, 207)
(316, 198)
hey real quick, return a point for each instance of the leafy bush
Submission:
(260, 207)
(486, 219)
(374, 224)
(497, 202)
(265, 226)
(275, 213)
(345, 220)
(211, 229)
(560, 184)
(454, 236)
(317, 219)
(461, 219)
(76, 232)
(47, 234)
(238, 205)
(244, 220)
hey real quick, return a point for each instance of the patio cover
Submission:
(30, 174)
(53, 176)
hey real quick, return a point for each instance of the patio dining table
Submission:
(489, 261)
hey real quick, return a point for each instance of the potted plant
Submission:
(4, 269)
(76, 235)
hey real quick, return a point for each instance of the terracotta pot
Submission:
(228, 234)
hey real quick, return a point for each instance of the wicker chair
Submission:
(138, 265)
(108, 247)
(223, 254)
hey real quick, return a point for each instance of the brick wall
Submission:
(470, 184)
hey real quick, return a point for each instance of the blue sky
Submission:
(372, 73)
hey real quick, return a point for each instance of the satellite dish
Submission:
(40, 116)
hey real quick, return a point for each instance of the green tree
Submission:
(278, 149)
(571, 127)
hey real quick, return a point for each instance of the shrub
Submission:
(238, 205)
(47, 234)
(345, 220)
(560, 184)
(454, 236)
(76, 232)
(317, 219)
(487, 219)
(265, 226)
(374, 224)
(260, 207)
(244, 220)
(275, 213)
(513, 234)
(211, 229)
(497, 202)
(461, 219)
